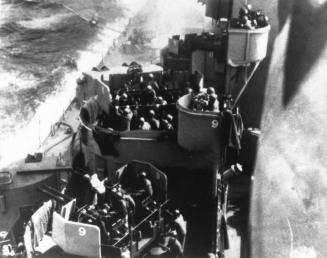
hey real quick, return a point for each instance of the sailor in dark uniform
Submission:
(146, 184)
(165, 94)
(161, 107)
(124, 100)
(166, 126)
(213, 104)
(148, 95)
(179, 225)
(154, 84)
(168, 246)
(155, 123)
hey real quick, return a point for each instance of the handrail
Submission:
(144, 220)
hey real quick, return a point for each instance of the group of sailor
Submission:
(114, 206)
(251, 19)
(119, 205)
(150, 108)
(172, 242)
(206, 100)
(148, 102)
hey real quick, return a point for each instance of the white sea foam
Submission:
(27, 139)
(5, 8)
(44, 22)
(13, 79)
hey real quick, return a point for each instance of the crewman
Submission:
(167, 246)
(146, 184)
(148, 96)
(213, 104)
(155, 123)
(127, 118)
(179, 224)
(172, 121)
(144, 125)
(160, 101)
(160, 107)
(119, 204)
(175, 247)
(154, 84)
(124, 117)
(166, 126)
(124, 100)
(165, 94)
(135, 119)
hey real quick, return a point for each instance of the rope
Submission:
(85, 19)
(245, 84)
(62, 140)
(57, 143)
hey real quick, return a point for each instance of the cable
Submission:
(62, 140)
(245, 84)
(85, 19)
(57, 143)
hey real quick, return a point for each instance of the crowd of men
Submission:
(114, 206)
(150, 104)
(118, 206)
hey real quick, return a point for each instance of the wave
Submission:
(13, 80)
(44, 22)
(5, 9)
(25, 138)
(28, 133)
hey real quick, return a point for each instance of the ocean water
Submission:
(40, 43)
(42, 40)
